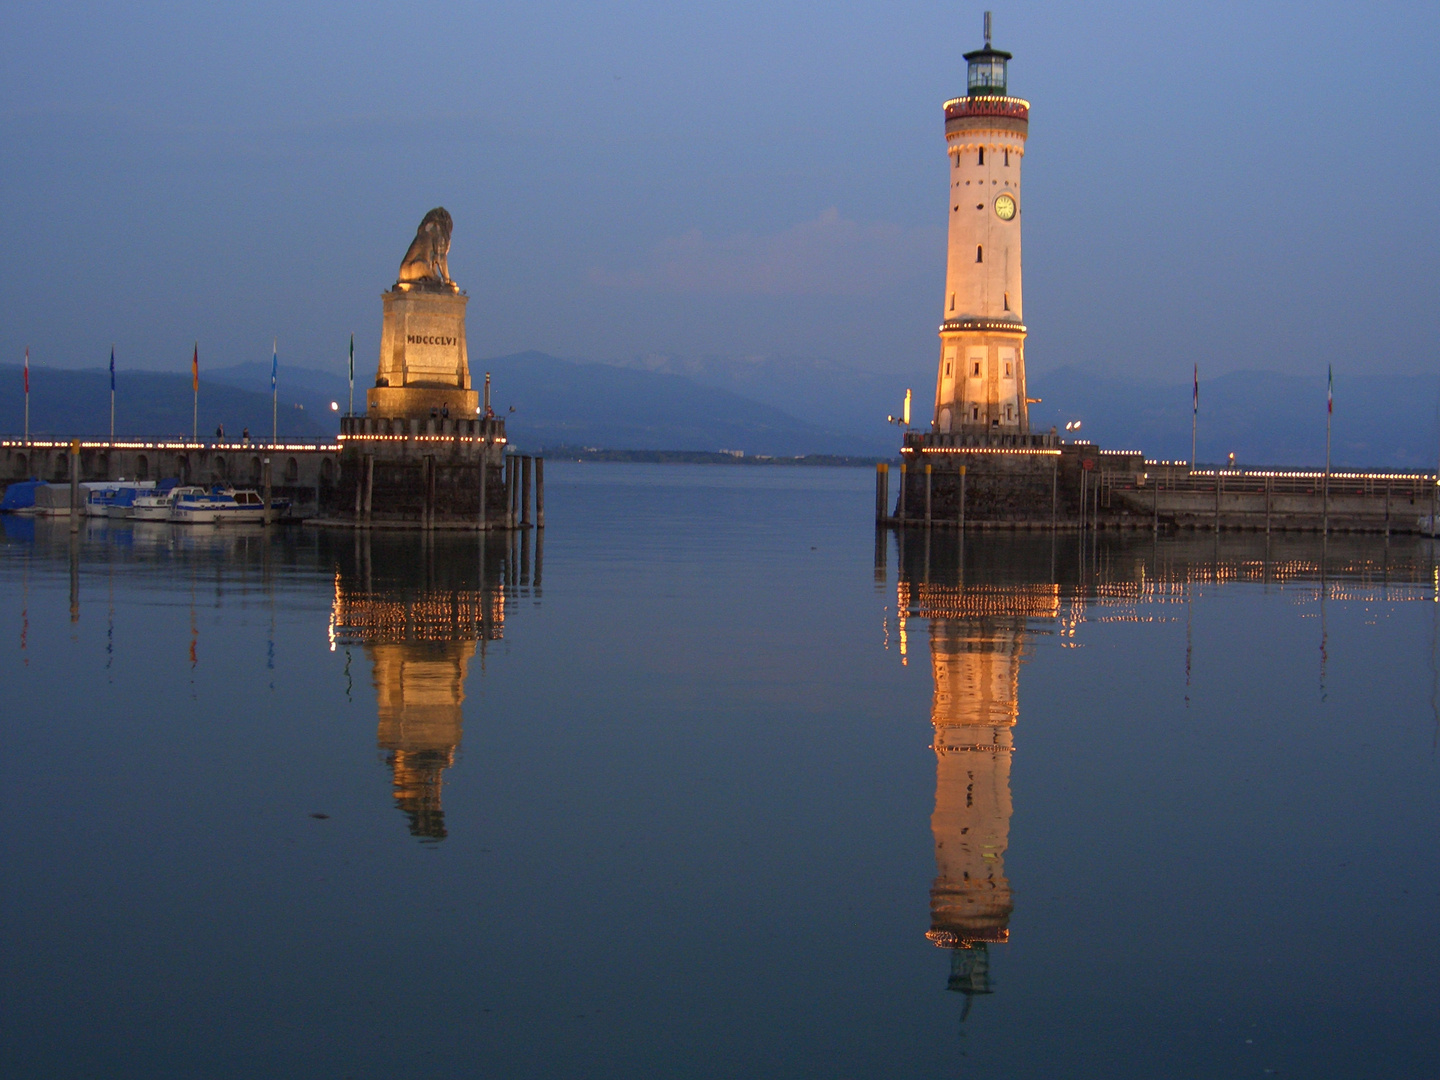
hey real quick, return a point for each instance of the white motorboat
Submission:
(154, 505)
(248, 506)
(123, 501)
(97, 496)
(218, 506)
(196, 506)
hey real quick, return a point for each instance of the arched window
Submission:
(327, 469)
(979, 253)
(982, 156)
(255, 470)
(292, 471)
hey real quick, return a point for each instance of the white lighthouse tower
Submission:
(980, 386)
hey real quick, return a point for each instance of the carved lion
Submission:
(427, 259)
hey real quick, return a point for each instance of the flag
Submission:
(1197, 390)
(195, 369)
(112, 369)
(27, 369)
(274, 363)
(352, 358)
(1329, 390)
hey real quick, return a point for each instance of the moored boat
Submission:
(219, 506)
(196, 506)
(123, 501)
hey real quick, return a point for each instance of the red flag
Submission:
(195, 369)
(27, 369)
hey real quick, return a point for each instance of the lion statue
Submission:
(427, 260)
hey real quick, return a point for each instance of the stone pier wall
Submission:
(399, 472)
(1034, 482)
(302, 472)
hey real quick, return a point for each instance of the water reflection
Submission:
(421, 608)
(985, 597)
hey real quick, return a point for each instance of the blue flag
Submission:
(274, 364)
(112, 368)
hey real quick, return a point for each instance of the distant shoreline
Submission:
(704, 457)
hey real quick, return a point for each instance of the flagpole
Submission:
(112, 395)
(274, 393)
(195, 385)
(1329, 415)
(27, 395)
(1194, 417)
(352, 375)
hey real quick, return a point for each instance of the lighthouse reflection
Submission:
(423, 609)
(978, 638)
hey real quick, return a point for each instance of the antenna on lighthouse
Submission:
(987, 29)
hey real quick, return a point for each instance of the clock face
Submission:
(1005, 207)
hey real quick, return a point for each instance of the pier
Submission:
(1022, 481)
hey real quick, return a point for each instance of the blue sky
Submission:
(1243, 186)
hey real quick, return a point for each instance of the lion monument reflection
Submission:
(426, 262)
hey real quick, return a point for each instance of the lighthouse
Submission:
(980, 386)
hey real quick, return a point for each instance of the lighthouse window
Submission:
(1009, 412)
(1007, 156)
(1007, 369)
(977, 368)
(952, 301)
(979, 253)
(982, 156)
(947, 369)
(1007, 301)
(974, 412)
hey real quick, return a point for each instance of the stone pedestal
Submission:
(423, 361)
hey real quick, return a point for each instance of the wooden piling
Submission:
(904, 473)
(928, 483)
(882, 494)
(369, 486)
(1054, 491)
(75, 508)
(430, 471)
(526, 464)
(539, 509)
(514, 490)
(266, 478)
(484, 476)
(963, 471)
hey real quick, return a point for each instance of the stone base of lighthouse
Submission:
(981, 384)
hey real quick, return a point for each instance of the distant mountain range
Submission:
(1265, 418)
(772, 406)
(149, 405)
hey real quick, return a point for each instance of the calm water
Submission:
(699, 790)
